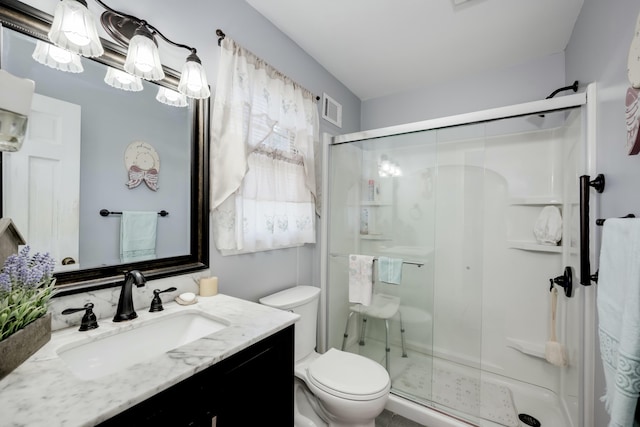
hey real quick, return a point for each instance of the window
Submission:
(264, 131)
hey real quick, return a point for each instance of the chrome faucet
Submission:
(125, 309)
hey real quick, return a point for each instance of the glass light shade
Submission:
(74, 29)
(13, 128)
(171, 97)
(54, 57)
(121, 80)
(143, 59)
(193, 80)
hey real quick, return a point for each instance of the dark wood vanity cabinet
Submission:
(250, 388)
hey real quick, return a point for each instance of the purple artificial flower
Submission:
(5, 282)
(24, 271)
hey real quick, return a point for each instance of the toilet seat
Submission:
(348, 376)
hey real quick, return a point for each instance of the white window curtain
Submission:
(263, 135)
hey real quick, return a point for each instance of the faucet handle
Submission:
(89, 320)
(156, 302)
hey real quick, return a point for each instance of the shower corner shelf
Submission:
(375, 203)
(526, 347)
(374, 237)
(535, 201)
(533, 246)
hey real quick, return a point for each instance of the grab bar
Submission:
(585, 264)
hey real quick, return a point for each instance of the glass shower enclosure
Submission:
(469, 223)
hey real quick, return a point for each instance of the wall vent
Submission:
(331, 110)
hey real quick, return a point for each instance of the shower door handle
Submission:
(585, 183)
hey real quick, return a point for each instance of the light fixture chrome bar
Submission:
(137, 22)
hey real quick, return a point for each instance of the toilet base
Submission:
(305, 407)
(308, 411)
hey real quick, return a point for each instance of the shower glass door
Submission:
(461, 198)
(482, 217)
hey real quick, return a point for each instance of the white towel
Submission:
(360, 279)
(138, 236)
(619, 317)
(548, 226)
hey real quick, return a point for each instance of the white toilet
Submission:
(334, 389)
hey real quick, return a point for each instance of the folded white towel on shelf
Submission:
(360, 279)
(618, 304)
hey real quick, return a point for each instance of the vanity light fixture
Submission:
(143, 58)
(171, 97)
(122, 80)
(74, 29)
(55, 57)
(193, 81)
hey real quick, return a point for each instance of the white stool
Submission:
(382, 307)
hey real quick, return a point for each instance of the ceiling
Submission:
(382, 47)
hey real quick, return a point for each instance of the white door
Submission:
(42, 181)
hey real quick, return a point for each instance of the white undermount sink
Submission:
(91, 359)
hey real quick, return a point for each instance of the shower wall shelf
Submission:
(374, 237)
(526, 209)
(377, 217)
(533, 246)
(534, 201)
(527, 347)
(369, 203)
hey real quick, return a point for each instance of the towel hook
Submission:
(598, 183)
(565, 281)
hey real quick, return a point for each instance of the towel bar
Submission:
(419, 264)
(106, 212)
(601, 221)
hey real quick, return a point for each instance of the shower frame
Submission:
(585, 100)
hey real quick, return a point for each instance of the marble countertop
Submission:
(44, 392)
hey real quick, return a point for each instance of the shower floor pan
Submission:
(462, 392)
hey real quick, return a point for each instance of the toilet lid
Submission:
(348, 375)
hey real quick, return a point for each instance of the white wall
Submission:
(530, 81)
(597, 52)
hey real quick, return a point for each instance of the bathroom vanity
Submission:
(240, 374)
(238, 391)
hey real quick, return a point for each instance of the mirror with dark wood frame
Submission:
(33, 23)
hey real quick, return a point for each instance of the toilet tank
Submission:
(302, 300)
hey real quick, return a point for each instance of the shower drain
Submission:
(529, 420)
